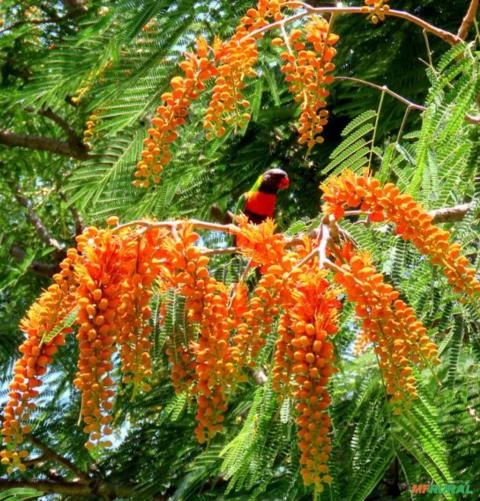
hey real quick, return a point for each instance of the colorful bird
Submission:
(259, 203)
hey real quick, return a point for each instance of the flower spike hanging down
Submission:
(197, 68)
(400, 340)
(412, 222)
(308, 62)
(45, 331)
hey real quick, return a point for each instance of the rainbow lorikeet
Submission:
(259, 202)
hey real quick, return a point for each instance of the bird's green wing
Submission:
(240, 205)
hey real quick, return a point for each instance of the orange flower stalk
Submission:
(412, 223)
(235, 61)
(134, 335)
(105, 261)
(197, 68)
(312, 321)
(308, 311)
(401, 341)
(308, 62)
(44, 333)
(207, 310)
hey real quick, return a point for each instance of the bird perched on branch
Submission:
(259, 202)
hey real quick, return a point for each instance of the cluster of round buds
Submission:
(400, 340)
(45, 327)
(207, 307)
(185, 272)
(105, 261)
(266, 9)
(272, 294)
(134, 336)
(257, 318)
(236, 58)
(308, 64)
(380, 10)
(312, 321)
(89, 131)
(411, 220)
(197, 68)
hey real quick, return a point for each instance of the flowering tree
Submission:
(318, 359)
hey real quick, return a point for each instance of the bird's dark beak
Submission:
(284, 183)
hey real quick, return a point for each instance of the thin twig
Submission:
(307, 258)
(35, 266)
(451, 214)
(427, 45)
(410, 104)
(375, 128)
(443, 215)
(447, 214)
(448, 37)
(220, 251)
(77, 218)
(386, 90)
(472, 119)
(202, 225)
(468, 20)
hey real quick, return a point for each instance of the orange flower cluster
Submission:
(105, 261)
(380, 10)
(235, 60)
(92, 77)
(272, 294)
(45, 331)
(266, 249)
(312, 321)
(207, 308)
(412, 222)
(303, 353)
(134, 334)
(197, 68)
(401, 341)
(308, 62)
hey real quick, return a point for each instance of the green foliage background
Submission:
(99, 50)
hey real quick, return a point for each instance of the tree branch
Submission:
(475, 120)
(73, 138)
(102, 489)
(451, 214)
(468, 20)
(410, 104)
(77, 218)
(49, 453)
(38, 267)
(38, 224)
(41, 143)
